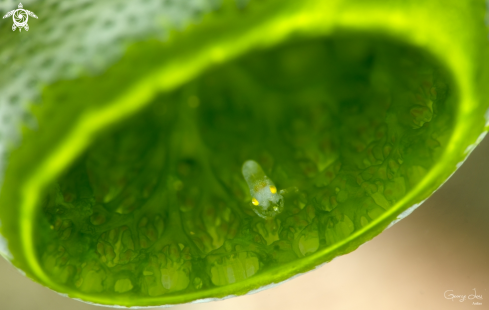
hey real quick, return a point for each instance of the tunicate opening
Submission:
(158, 205)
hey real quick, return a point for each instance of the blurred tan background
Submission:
(443, 245)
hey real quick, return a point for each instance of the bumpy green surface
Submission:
(131, 192)
(159, 205)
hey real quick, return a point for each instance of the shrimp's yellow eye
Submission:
(254, 201)
(273, 189)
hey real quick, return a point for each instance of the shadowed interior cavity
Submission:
(159, 203)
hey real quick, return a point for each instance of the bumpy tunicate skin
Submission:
(180, 198)
(270, 203)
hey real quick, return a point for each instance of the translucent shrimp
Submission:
(266, 201)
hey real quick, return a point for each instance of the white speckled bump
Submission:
(76, 37)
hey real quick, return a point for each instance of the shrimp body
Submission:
(266, 201)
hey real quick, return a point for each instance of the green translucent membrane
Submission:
(158, 205)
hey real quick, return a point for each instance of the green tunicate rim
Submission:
(74, 113)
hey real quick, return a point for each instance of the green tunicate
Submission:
(132, 191)
(161, 201)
